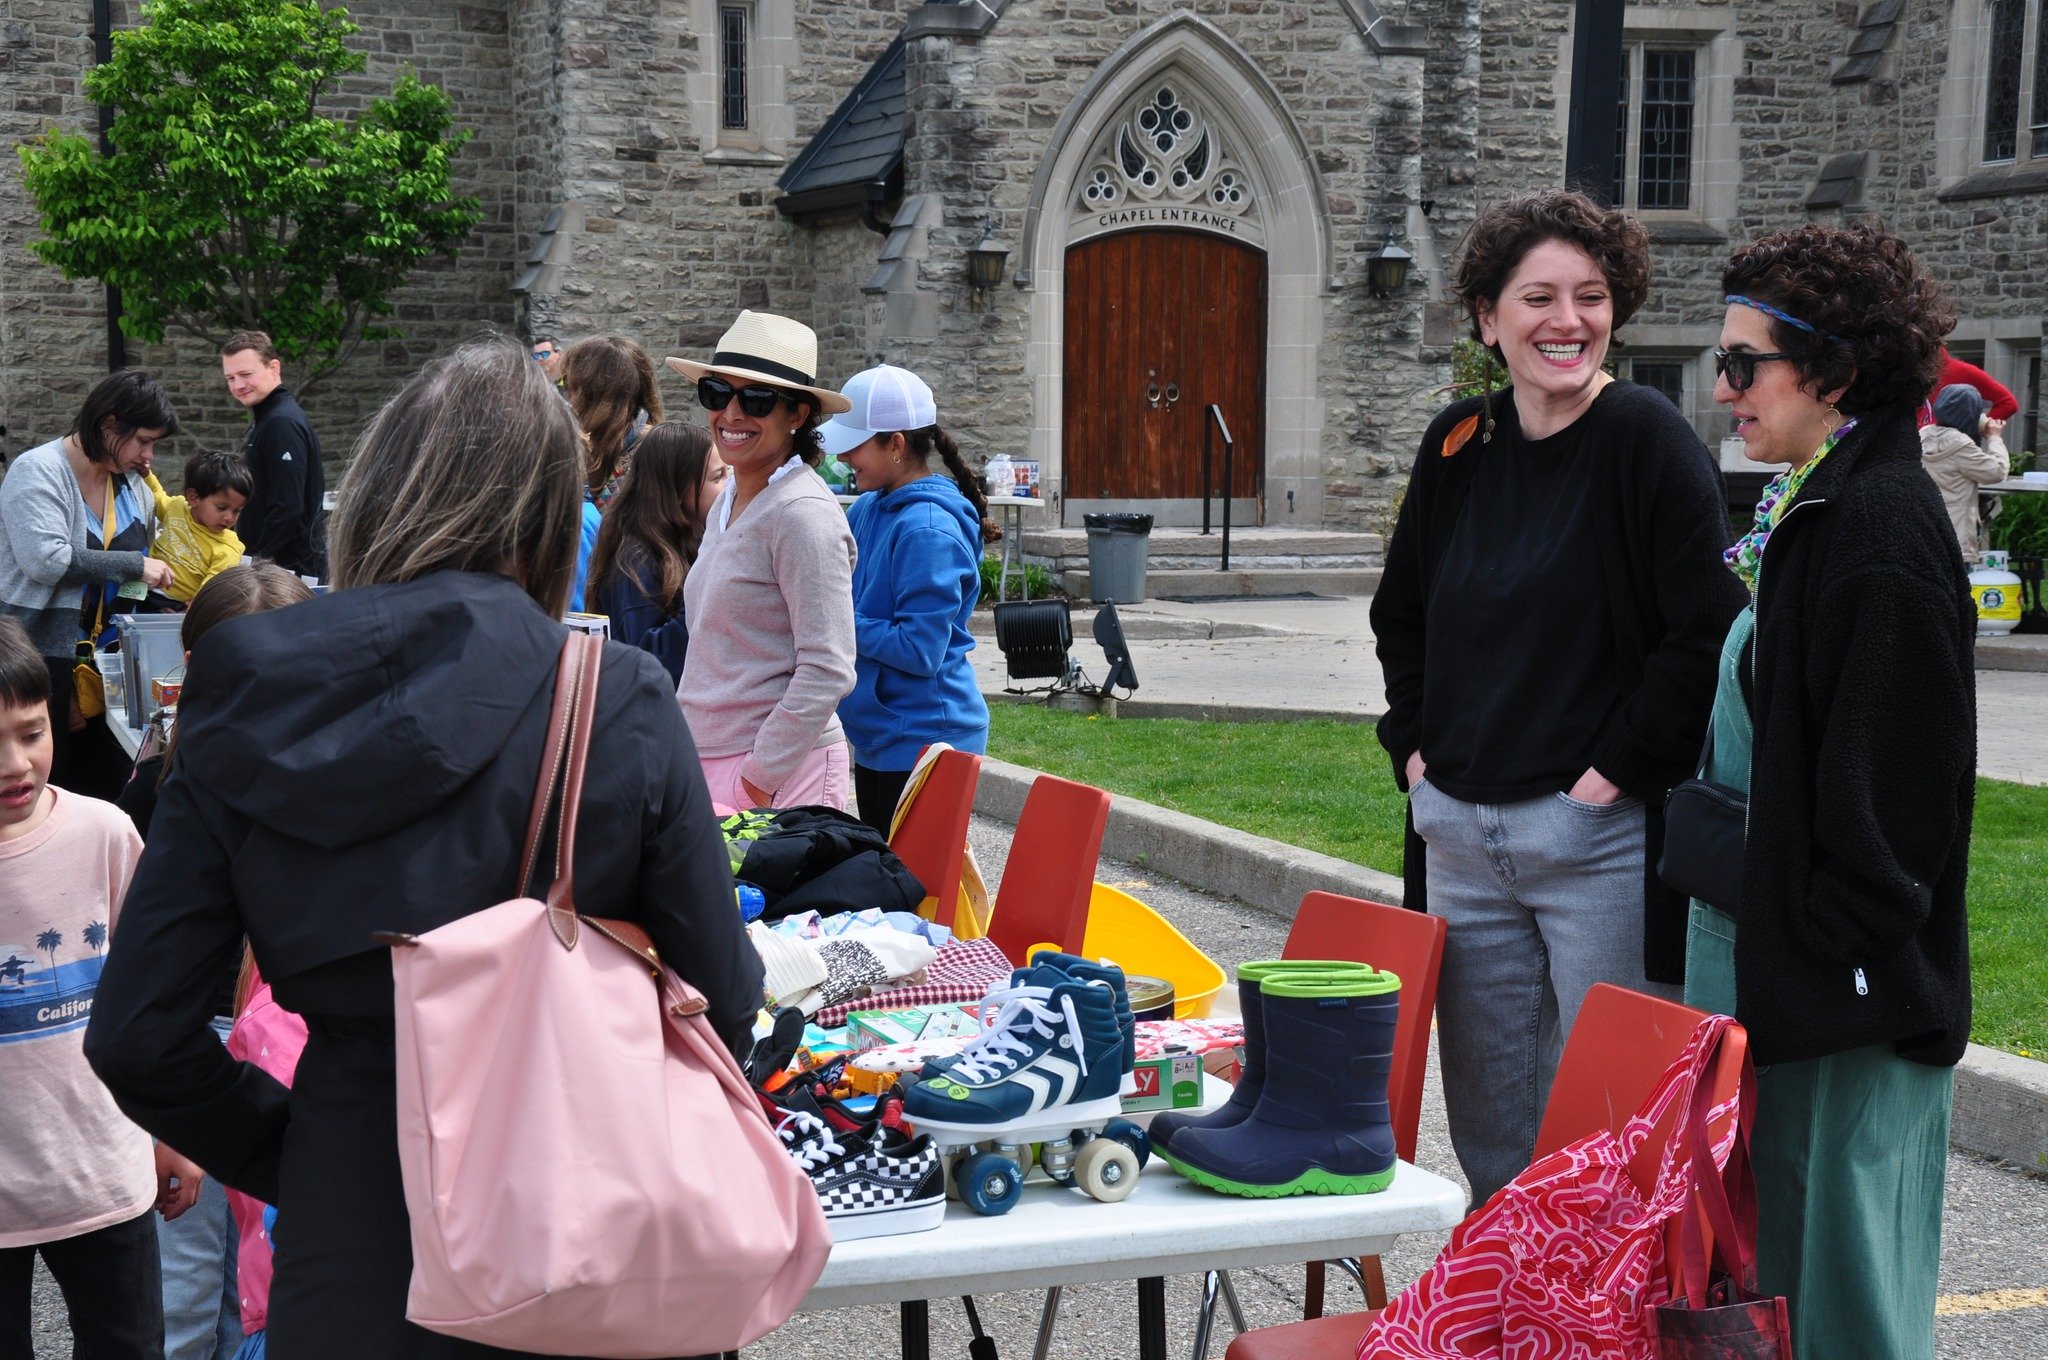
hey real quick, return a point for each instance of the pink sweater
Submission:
(770, 607)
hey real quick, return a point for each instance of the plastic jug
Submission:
(1997, 592)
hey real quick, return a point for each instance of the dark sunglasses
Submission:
(715, 394)
(1738, 366)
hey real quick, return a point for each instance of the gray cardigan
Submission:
(44, 560)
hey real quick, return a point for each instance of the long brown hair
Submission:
(474, 466)
(609, 380)
(651, 518)
(931, 439)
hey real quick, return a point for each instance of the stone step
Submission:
(1254, 548)
(1208, 582)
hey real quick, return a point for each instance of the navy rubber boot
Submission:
(1321, 1125)
(1251, 1077)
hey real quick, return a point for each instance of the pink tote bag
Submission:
(586, 1169)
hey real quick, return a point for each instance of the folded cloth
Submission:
(809, 925)
(809, 974)
(962, 970)
(792, 967)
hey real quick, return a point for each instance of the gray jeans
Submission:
(1544, 898)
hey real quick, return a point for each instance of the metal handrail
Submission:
(1213, 423)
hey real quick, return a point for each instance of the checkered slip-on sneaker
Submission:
(873, 1181)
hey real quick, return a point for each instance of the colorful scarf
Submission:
(1746, 554)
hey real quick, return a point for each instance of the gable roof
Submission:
(860, 144)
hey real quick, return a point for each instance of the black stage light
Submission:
(1109, 635)
(1033, 636)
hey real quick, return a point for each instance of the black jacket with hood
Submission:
(365, 762)
(1851, 928)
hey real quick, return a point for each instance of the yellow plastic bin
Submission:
(1139, 940)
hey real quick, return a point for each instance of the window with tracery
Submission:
(1165, 152)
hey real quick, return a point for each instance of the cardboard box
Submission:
(1169, 1083)
(1025, 470)
(874, 1029)
(164, 693)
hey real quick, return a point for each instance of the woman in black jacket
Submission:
(1547, 622)
(1846, 708)
(365, 763)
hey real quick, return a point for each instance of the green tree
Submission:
(228, 201)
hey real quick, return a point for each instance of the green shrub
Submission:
(2022, 524)
(1040, 580)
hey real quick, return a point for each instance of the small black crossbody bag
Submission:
(1705, 825)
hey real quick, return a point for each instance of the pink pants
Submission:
(824, 777)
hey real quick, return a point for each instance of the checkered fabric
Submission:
(864, 1170)
(965, 970)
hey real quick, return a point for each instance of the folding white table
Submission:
(1168, 1226)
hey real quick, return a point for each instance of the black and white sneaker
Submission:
(873, 1181)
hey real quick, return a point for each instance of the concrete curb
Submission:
(1195, 712)
(2001, 1099)
(1264, 873)
(2001, 1107)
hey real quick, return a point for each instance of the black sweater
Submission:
(1657, 516)
(283, 516)
(1851, 928)
(365, 762)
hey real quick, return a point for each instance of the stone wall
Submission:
(674, 242)
(1788, 120)
(982, 114)
(52, 338)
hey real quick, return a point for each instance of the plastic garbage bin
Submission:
(1116, 556)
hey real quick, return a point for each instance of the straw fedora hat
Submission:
(763, 347)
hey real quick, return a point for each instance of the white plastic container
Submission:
(1997, 592)
(1000, 476)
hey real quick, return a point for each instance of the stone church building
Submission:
(1187, 200)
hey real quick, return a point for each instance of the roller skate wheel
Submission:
(1056, 1155)
(1132, 1137)
(989, 1183)
(1106, 1169)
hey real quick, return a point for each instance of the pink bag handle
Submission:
(566, 676)
(571, 717)
(1727, 1199)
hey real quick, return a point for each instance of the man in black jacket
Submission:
(282, 520)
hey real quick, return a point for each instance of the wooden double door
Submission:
(1159, 326)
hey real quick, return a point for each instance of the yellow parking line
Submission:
(1990, 1301)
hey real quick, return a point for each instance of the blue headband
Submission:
(1736, 300)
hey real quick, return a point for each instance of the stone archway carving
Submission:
(1278, 205)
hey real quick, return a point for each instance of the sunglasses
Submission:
(715, 394)
(1738, 366)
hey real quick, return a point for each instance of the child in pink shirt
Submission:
(77, 1180)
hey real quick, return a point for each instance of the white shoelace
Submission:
(998, 1050)
(809, 1139)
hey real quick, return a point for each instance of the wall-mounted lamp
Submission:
(985, 262)
(1386, 269)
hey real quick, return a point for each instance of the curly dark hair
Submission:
(1508, 231)
(1880, 317)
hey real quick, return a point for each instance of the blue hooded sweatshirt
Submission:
(915, 584)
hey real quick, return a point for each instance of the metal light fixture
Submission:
(1386, 269)
(985, 262)
(1033, 637)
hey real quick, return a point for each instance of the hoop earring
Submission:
(1831, 418)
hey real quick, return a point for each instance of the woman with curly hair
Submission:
(1846, 709)
(1547, 623)
(609, 381)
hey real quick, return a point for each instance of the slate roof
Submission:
(1874, 29)
(860, 143)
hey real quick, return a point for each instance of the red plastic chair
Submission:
(932, 838)
(1618, 1049)
(1411, 945)
(1044, 894)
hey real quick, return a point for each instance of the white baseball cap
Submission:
(884, 400)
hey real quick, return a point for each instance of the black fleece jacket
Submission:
(1851, 927)
(1657, 516)
(366, 762)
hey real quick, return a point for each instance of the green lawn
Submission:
(1326, 786)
